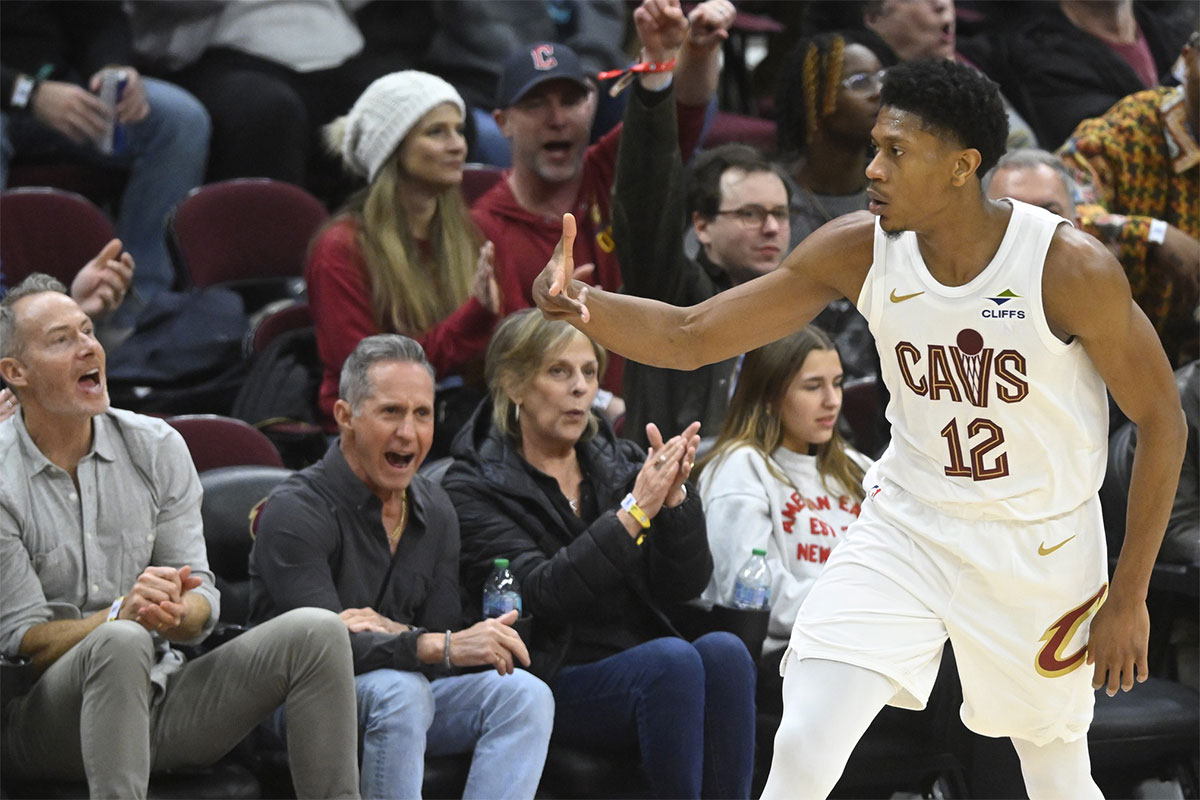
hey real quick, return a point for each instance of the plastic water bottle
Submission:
(752, 589)
(501, 592)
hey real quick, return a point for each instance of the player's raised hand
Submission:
(1117, 645)
(554, 291)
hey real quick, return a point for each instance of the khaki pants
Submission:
(90, 716)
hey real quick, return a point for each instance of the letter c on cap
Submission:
(543, 57)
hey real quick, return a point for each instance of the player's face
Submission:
(916, 28)
(549, 129)
(1039, 185)
(389, 437)
(749, 235)
(434, 151)
(911, 173)
(558, 401)
(811, 403)
(857, 108)
(60, 370)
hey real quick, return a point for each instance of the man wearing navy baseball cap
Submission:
(545, 105)
(526, 69)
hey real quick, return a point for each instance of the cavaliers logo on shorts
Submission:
(1050, 661)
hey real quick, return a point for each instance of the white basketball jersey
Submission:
(993, 416)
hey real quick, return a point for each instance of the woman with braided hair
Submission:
(826, 102)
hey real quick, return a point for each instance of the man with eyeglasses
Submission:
(737, 203)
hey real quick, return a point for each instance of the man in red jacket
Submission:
(545, 105)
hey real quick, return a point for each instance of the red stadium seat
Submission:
(49, 230)
(216, 441)
(245, 233)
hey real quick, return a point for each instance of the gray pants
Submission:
(90, 715)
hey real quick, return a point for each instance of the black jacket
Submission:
(579, 580)
(1056, 75)
(648, 227)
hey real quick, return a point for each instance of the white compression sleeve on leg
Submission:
(1058, 769)
(827, 706)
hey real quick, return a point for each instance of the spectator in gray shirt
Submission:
(103, 568)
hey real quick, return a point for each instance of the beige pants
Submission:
(90, 715)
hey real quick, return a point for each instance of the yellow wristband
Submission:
(630, 505)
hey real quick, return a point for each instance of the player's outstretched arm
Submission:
(1126, 351)
(830, 263)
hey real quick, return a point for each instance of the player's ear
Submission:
(966, 164)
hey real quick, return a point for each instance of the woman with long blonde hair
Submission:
(781, 478)
(403, 256)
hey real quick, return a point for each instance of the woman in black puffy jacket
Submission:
(602, 537)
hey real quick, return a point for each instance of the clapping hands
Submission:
(667, 466)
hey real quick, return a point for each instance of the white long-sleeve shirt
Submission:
(797, 523)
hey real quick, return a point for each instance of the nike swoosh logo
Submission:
(1045, 551)
(900, 298)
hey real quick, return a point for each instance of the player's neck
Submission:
(963, 239)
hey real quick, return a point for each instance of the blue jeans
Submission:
(165, 154)
(404, 716)
(691, 707)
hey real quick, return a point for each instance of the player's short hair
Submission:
(954, 100)
(704, 188)
(11, 341)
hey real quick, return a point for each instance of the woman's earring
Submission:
(517, 413)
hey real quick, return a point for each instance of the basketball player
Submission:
(998, 326)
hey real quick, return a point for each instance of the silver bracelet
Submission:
(446, 652)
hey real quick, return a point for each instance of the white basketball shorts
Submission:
(1015, 599)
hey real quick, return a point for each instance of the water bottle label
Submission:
(751, 596)
(497, 603)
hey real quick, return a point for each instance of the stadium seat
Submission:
(477, 179)
(51, 231)
(250, 234)
(215, 441)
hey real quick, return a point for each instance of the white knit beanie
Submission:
(383, 116)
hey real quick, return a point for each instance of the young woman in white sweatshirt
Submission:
(780, 477)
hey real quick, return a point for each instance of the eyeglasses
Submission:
(864, 81)
(755, 216)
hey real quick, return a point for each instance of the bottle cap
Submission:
(758, 551)
(501, 563)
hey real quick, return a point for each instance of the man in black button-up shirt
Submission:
(361, 534)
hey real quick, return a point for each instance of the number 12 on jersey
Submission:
(975, 469)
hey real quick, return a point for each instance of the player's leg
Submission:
(827, 706)
(1058, 769)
